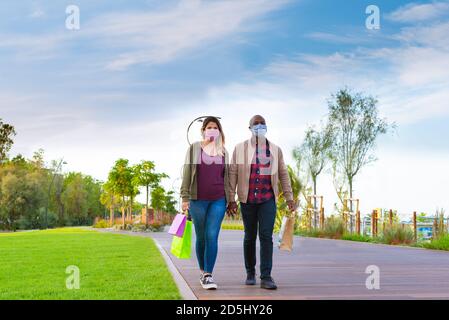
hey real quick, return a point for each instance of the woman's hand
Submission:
(185, 206)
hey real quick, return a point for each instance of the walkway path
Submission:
(323, 269)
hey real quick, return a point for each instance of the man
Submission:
(256, 169)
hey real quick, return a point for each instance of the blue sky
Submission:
(130, 80)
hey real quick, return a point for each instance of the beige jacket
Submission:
(240, 169)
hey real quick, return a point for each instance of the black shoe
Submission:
(268, 284)
(250, 280)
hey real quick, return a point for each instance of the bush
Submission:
(441, 243)
(358, 237)
(155, 226)
(334, 227)
(37, 220)
(139, 227)
(101, 224)
(397, 234)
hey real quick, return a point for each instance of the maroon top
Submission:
(210, 177)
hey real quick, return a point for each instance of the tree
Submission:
(120, 178)
(355, 126)
(170, 203)
(75, 198)
(109, 199)
(158, 198)
(146, 176)
(314, 151)
(6, 142)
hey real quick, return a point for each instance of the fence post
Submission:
(435, 227)
(415, 230)
(358, 222)
(322, 218)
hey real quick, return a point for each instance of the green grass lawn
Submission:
(112, 266)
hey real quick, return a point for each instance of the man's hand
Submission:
(291, 205)
(232, 208)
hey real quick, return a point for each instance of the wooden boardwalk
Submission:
(324, 269)
(321, 269)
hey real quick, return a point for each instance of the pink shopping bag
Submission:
(178, 225)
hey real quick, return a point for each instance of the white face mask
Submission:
(259, 130)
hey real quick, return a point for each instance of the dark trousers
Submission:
(259, 216)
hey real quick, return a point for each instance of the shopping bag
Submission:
(178, 225)
(181, 246)
(286, 233)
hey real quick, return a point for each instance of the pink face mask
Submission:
(211, 134)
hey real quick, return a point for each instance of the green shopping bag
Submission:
(182, 247)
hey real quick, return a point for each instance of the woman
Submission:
(204, 194)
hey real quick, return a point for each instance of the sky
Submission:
(129, 81)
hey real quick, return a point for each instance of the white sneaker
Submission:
(207, 282)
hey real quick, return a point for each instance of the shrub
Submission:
(357, 237)
(334, 227)
(441, 243)
(397, 234)
(155, 226)
(139, 227)
(101, 224)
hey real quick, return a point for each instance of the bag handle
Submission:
(189, 216)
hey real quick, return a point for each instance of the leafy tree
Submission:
(355, 126)
(7, 131)
(120, 178)
(146, 176)
(75, 199)
(109, 199)
(170, 202)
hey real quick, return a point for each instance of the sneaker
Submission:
(268, 284)
(250, 280)
(207, 282)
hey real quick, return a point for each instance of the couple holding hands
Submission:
(209, 186)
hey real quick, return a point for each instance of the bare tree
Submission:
(355, 126)
(314, 152)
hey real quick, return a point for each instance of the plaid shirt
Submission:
(260, 189)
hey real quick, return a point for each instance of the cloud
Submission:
(38, 13)
(157, 36)
(419, 12)
(161, 36)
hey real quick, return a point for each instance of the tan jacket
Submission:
(240, 169)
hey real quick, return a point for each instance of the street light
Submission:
(49, 190)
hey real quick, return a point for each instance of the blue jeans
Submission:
(259, 216)
(207, 217)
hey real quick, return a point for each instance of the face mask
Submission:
(211, 134)
(259, 130)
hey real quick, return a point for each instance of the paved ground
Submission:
(323, 269)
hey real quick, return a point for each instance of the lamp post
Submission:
(49, 190)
